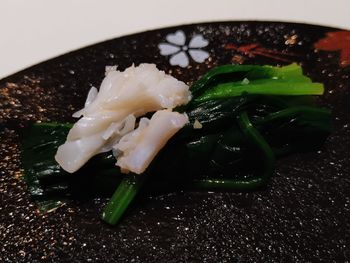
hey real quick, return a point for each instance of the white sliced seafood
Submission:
(111, 112)
(90, 98)
(72, 155)
(139, 147)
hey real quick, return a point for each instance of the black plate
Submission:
(302, 216)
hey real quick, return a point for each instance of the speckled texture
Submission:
(302, 216)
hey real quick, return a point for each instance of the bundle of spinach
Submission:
(242, 117)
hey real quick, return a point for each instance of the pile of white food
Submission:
(109, 119)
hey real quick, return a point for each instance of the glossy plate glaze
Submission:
(303, 215)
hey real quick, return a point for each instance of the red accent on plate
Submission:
(337, 41)
(253, 50)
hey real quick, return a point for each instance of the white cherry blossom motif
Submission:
(179, 52)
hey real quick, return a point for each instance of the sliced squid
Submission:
(110, 113)
(72, 155)
(139, 147)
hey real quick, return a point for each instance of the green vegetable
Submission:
(250, 116)
(268, 160)
(287, 81)
(122, 197)
(50, 185)
(274, 87)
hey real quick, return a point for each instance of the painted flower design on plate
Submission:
(180, 52)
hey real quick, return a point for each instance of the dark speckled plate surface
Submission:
(302, 216)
